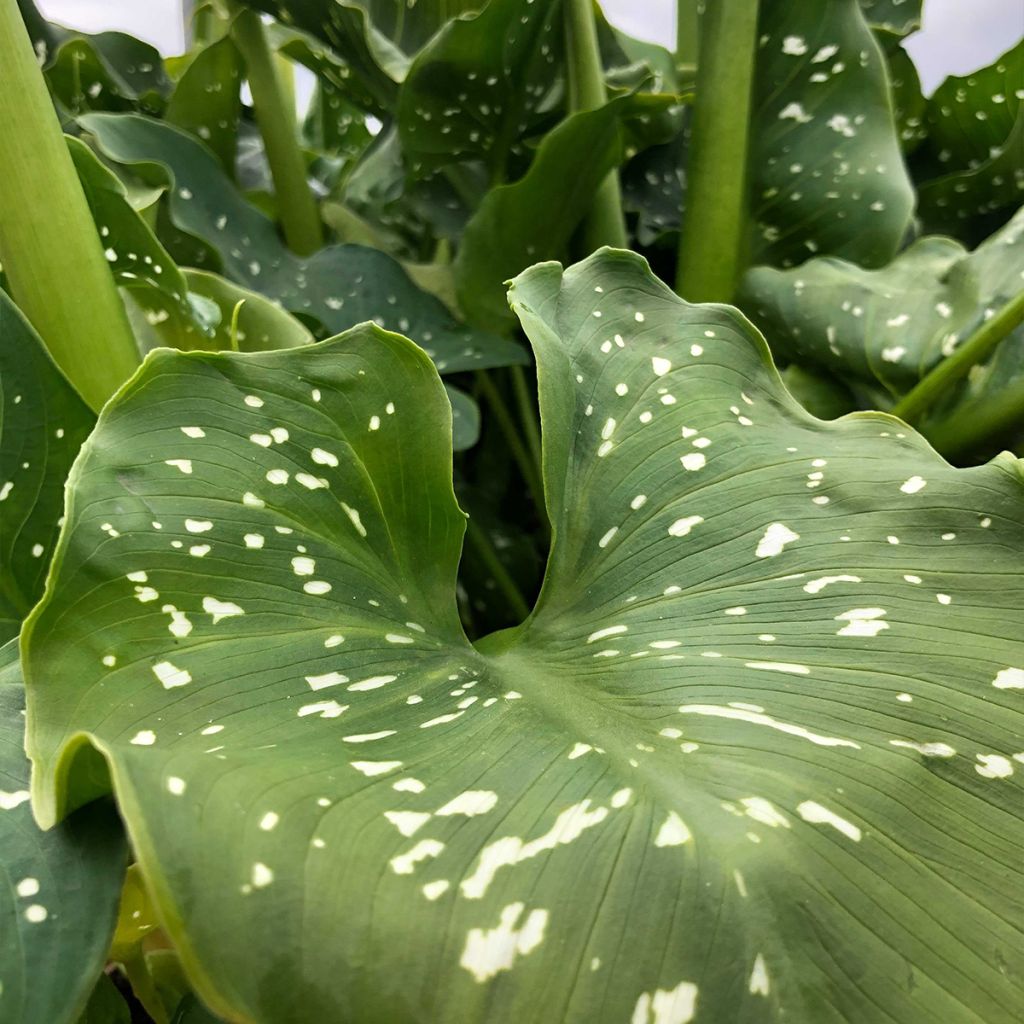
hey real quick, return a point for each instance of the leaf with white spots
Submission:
(43, 423)
(970, 166)
(881, 331)
(482, 86)
(60, 891)
(338, 287)
(738, 725)
(827, 174)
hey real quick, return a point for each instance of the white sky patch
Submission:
(994, 766)
(143, 738)
(913, 485)
(435, 890)
(10, 800)
(661, 366)
(764, 811)
(492, 950)
(775, 538)
(759, 718)
(818, 815)
(666, 1006)
(470, 803)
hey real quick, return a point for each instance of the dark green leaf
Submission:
(337, 287)
(43, 423)
(482, 86)
(827, 172)
(105, 1006)
(207, 100)
(60, 888)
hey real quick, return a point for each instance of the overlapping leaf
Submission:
(43, 423)
(882, 330)
(766, 706)
(337, 287)
(107, 71)
(58, 900)
(533, 219)
(972, 168)
(483, 85)
(827, 174)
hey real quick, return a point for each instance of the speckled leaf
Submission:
(482, 85)
(372, 66)
(755, 756)
(972, 166)
(339, 286)
(43, 423)
(882, 330)
(827, 175)
(58, 889)
(107, 71)
(534, 218)
(900, 17)
(207, 99)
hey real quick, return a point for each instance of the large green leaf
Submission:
(337, 287)
(900, 17)
(43, 423)
(756, 755)
(971, 167)
(881, 331)
(826, 169)
(59, 891)
(482, 86)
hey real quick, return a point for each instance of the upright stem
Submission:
(976, 348)
(485, 550)
(713, 238)
(687, 31)
(605, 224)
(296, 205)
(49, 247)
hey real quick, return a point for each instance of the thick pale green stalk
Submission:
(296, 207)
(715, 225)
(49, 247)
(606, 223)
(976, 348)
(687, 29)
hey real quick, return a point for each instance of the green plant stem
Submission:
(528, 416)
(714, 234)
(485, 550)
(296, 206)
(605, 224)
(49, 247)
(976, 348)
(508, 427)
(687, 32)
